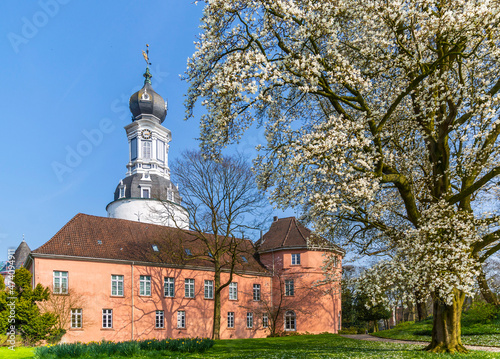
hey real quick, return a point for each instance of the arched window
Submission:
(290, 321)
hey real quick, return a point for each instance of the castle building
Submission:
(134, 275)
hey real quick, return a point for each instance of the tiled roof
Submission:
(118, 239)
(290, 233)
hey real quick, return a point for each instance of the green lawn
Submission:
(306, 346)
(473, 334)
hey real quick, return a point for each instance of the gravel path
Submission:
(378, 339)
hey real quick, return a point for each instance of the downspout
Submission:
(132, 296)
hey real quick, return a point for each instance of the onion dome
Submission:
(147, 102)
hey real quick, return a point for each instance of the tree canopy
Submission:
(381, 119)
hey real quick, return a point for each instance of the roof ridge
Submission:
(287, 233)
(298, 229)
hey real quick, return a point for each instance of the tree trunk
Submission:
(421, 306)
(217, 305)
(421, 311)
(446, 328)
(486, 292)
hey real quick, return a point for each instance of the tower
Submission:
(146, 194)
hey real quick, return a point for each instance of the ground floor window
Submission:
(160, 315)
(76, 318)
(249, 320)
(107, 318)
(181, 319)
(230, 319)
(290, 320)
(265, 320)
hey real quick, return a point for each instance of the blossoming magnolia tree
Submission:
(379, 115)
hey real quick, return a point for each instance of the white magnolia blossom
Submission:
(381, 118)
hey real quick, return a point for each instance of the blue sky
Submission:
(68, 70)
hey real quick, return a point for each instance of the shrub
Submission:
(480, 312)
(351, 330)
(127, 349)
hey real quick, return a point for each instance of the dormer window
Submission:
(122, 192)
(145, 193)
(188, 251)
(155, 248)
(244, 259)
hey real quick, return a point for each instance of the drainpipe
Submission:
(132, 296)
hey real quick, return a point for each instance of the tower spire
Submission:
(147, 75)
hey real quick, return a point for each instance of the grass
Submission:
(473, 333)
(297, 347)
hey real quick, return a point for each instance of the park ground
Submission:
(297, 347)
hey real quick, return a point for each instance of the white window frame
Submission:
(59, 277)
(160, 319)
(265, 320)
(290, 321)
(76, 318)
(181, 319)
(189, 288)
(107, 318)
(256, 292)
(146, 192)
(122, 190)
(147, 148)
(249, 320)
(160, 150)
(145, 285)
(233, 291)
(295, 259)
(117, 285)
(209, 289)
(289, 288)
(230, 319)
(169, 287)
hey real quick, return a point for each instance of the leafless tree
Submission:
(223, 202)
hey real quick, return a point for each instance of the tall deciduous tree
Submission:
(223, 202)
(382, 114)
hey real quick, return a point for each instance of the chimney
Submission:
(275, 218)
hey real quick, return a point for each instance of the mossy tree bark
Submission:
(446, 330)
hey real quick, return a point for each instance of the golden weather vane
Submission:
(146, 54)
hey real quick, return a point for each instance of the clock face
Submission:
(146, 134)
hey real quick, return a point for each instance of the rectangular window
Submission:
(169, 287)
(145, 285)
(296, 259)
(145, 193)
(146, 150)
(133, 149)
(256, 292)
(117, 285)
(289, 287)
(60, 282)
(209, 289)
(249, 320)
(230, 319)
(76, 318)
(265, 320)
(122, 192)
(107, 318)
(189, 288)
(159, 322)
(233, 291)
(181, 319)
(160, 151)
